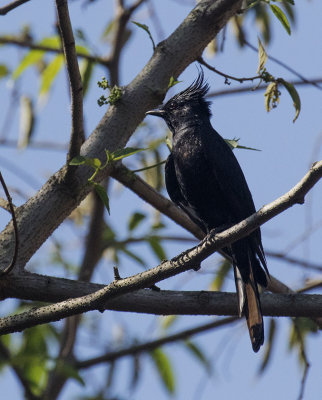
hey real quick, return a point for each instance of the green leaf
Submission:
(69, 371)
(49, 74)
(262, 57)
(100, 190)
(233, 143)
(135, 220)
(281, 17)
(126, 152)
(164, 368)
(86, 71)
(198, 353)
(146, 29)
(168, 320)
(78, 160)
(4, 71)
(31, 58)
(295, 97)
(51, 41)
(221, 275)
(173, 82)
(134, 256)
(157, 248)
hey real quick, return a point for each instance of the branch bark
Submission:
(75, 80)
(184, 262)
(11, 6)
(58, 197)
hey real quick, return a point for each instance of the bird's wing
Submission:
(224, 168)
(173, 189)
(228, 174)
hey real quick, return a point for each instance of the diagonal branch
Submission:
(153, 344)
(59, 196)
(11, 6)
(75, 80)
(184, 262)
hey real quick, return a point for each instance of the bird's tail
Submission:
(248, 297)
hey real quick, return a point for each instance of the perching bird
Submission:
(204, 179)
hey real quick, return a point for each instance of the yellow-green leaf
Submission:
(3, 70)
(271, 96)
(49, 74)
(101, 191)
(281, 17)
(221, 275)
(31, 58)
(147, 30)
(262, 57)
(295, 97)
(164, 368)
(135, 220)
(126, 152)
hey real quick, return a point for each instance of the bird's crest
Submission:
(195, 93)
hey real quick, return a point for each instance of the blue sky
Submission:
(286, 154)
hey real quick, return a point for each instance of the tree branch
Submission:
(75, 80)
(58, 197)
(11, 6)
(153, 344)
(184, 262)
(250, 89)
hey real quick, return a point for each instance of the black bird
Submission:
(204, 179)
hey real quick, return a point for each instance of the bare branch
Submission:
(122, 18)
(59, 196)
(184, 262)
(11, 6)
(211, 68)
(153, 344)
(293, 260)
(250, 89)
(75, 80)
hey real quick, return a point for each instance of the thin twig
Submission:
(226, 76)
(11, 6)
(9, 268)
(153, 344)
(50, 146)
(250, 89)
(293, 260)
(75, 80)
(287, 67)
(304, 359)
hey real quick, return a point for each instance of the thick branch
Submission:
(75, 80)
(57, 198)
(185, 261)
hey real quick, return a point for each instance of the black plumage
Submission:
(204, 179)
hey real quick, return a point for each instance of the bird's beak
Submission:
(158, 112)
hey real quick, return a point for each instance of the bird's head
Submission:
(187, 106)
